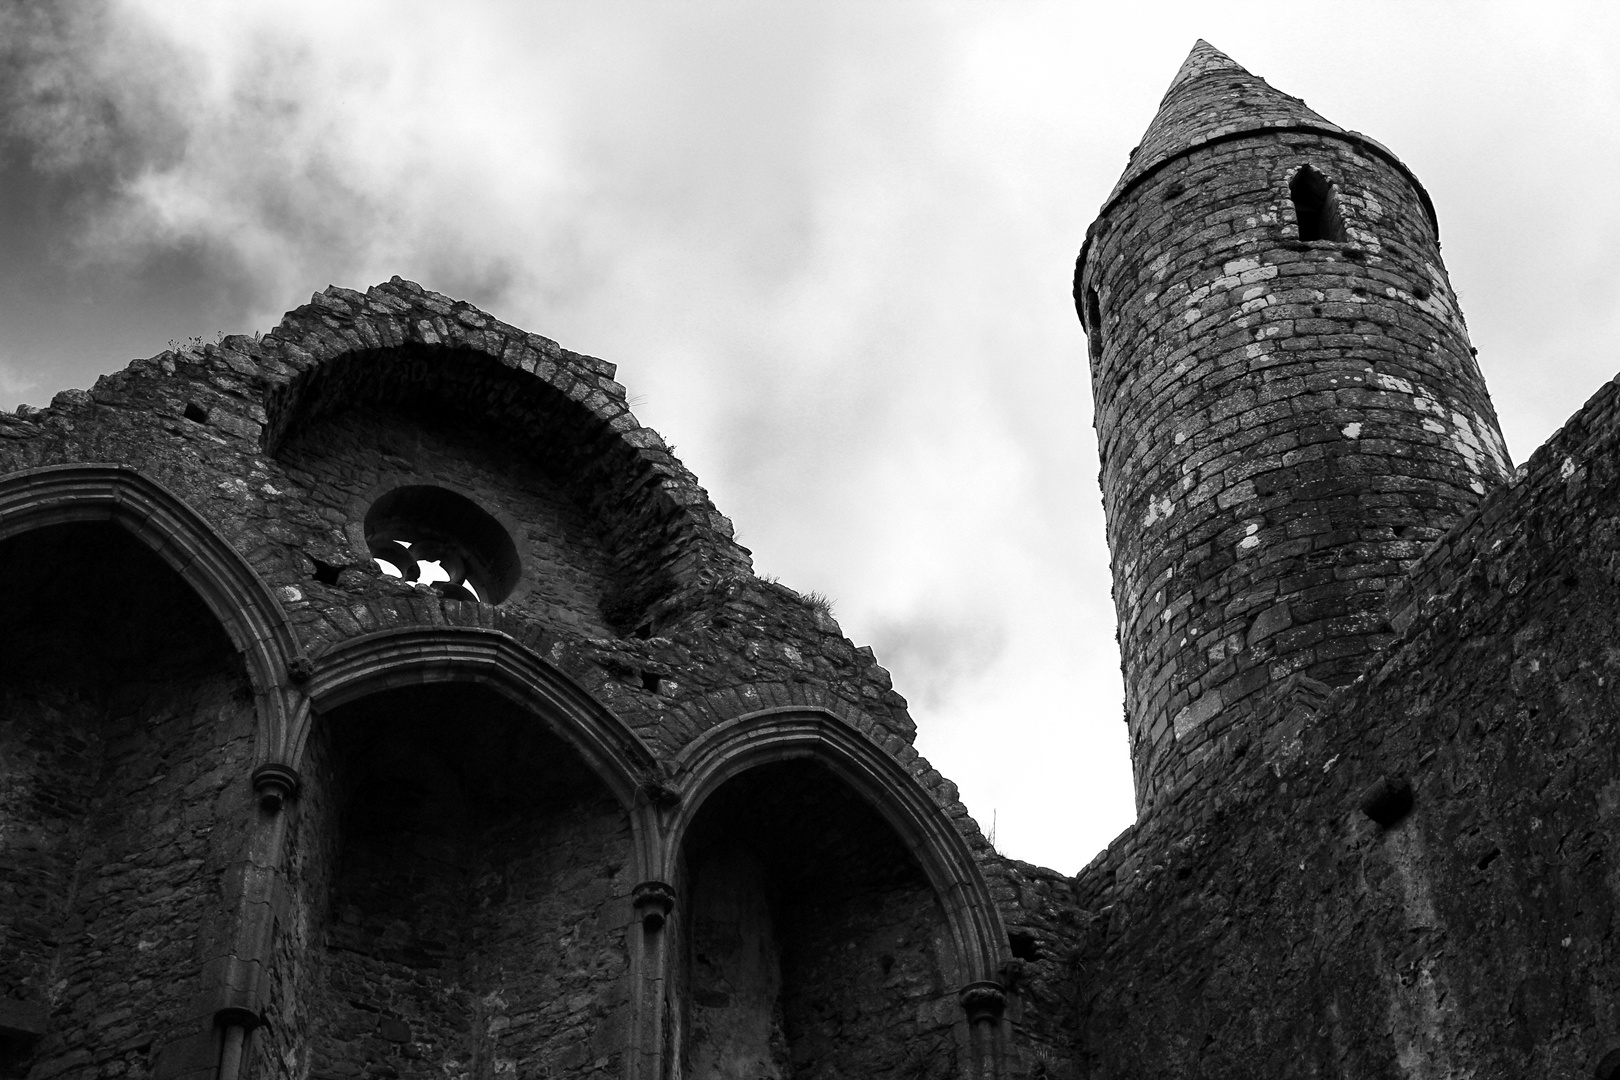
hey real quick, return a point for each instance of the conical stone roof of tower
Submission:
(1214, 97)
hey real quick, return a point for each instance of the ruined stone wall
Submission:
(460, 941)
(1045, 928)
(50, 751)
(125, 737)
(731, 978)
(864, 993)
(1272, 925)
(344, 462)
(1283, 423)
(200, 422)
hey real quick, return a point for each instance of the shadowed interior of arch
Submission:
(125, 713)
(811, 943)
(466, 870)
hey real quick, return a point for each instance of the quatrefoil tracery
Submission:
(426, 562)
(432, 536)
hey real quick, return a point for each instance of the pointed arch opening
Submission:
(236, 598)
(416, 656)
(467, 872)
(813, 943)
(126, 738)
(826, 761)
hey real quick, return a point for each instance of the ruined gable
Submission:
(438, 657)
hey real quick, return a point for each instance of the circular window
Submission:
(438, 539)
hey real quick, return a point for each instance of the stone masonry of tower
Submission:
(381, 701)
(1285, 422)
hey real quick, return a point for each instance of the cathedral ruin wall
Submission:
(1418, 879)
(419, 832)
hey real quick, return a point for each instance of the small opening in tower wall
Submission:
(1094, 333)
(435, 538)
(1316, 206)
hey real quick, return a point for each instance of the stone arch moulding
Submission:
(399, 340)
(416, 656)
(246, 608)
(784, 733)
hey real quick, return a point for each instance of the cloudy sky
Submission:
(829, 246)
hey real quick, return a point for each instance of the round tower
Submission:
(1287, 406)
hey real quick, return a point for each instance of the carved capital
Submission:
(982, 1001)
(653, 901)
(275, 784)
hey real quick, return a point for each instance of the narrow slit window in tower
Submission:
(1094, 334)
(1316, 206)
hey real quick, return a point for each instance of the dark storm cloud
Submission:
(91, 98)
(86, 91)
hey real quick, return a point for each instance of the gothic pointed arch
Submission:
(483, 798)
(781, 734)
(417, 656)
(233, 592)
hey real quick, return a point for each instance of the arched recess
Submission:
(417, 656)
(141, 639)
(783, 734)
(247, 610)
(832, 919)
(414, 735)
(618, 475)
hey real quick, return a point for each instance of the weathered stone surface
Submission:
(1276, 929)
(644, 814)
(472, 910)
(124, 726)
(815, 939)
(1284, 422)
(468, 786)
(1404, 876)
